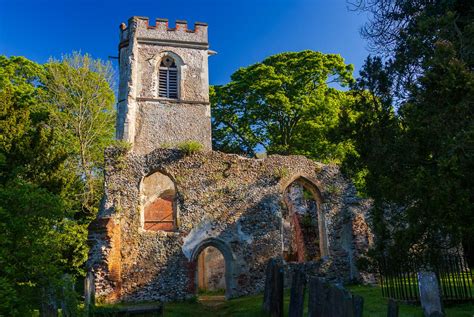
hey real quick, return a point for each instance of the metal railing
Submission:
(399, 280)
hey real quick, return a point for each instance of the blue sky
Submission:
(243, 32)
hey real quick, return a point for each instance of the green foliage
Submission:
(413, 129)
(281, 172)
(77, 89)
(286, 104)
(122, 146)
(43, 230)
(307, 221)
(190, 147)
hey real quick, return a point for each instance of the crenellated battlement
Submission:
(140, 28)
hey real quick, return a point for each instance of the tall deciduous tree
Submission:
(286, 104)
(45, 182)
(32, 179)
(82, 106)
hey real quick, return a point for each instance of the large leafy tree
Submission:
(43, 227)
(32, 178)
(78, 90)
(414, 136)
(286, 104)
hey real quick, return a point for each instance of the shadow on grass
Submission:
(250, 306)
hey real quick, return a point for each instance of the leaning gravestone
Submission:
(430, 295)
(298, 284)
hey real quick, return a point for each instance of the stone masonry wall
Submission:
(226, 201)
(145, 119)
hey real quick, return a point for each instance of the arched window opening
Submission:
(301, 224)
(211, 271)
(168, 78)
(158, 202)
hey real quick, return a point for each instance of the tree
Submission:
(286, 104)
(32, 178)
(82, 107)
(43, 228)
(417, 153)
(406, 33)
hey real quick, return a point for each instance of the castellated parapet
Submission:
(158, 109)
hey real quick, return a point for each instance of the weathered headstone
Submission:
(89, 294)
(358, 305)
(276, 303)
(267, 295)
(430, 295)
(392, 310)
(348, 303)
(273, 293)
(327, 300)
(317, 299)
(337, 302)
(298, 284)
(331, 304)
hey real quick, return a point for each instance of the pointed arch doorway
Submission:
(303, 224)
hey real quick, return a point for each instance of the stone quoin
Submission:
(162, 207)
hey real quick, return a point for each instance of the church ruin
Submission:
(173, 222)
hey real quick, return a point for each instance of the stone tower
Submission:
(164, 85)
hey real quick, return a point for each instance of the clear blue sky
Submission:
(243, 32)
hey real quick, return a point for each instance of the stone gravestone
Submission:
(357, 305)
(273, 293)
(339, 302)
(317, 299)
(267, 295)
(276, 299)
(298, 284)
(332, 301)
(430, 295)
(89, 296)
(392, 310)
(333, 305)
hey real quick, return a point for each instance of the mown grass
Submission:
(376, 306)
(250, 306)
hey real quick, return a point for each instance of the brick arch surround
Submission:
(312, 186)
(229, 261)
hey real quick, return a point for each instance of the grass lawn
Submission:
(250, 306)
(376, 306)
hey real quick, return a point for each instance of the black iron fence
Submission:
(399, 279)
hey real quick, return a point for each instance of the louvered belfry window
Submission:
(168, 78)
